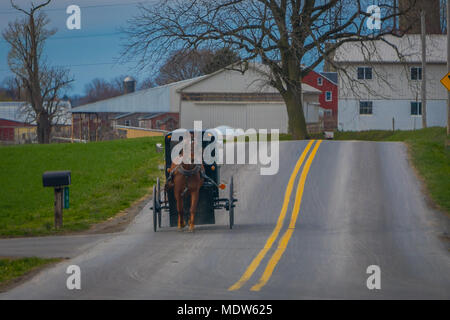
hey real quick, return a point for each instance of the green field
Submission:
(107, 177)
(429, 154)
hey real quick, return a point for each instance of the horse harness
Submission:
(189, 173)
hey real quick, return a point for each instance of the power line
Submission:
(81, 36)
(9, 11)
(86, 36)
(83, 65)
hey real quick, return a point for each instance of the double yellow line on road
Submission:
(283, 242)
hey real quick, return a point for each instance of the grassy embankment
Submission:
(107, 177)
(13, 269)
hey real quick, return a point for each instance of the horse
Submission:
(184, 179)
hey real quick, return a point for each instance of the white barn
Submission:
(231, 98)
(378, 91)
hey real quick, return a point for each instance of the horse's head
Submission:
(190, 145)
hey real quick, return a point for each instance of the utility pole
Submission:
(448, 65)
(424, 75)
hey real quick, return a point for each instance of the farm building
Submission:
(226, 97)
(378, 91)
(241, 100)
(18, 126)
(327, 83)
(154, 108)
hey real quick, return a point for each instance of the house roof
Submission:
(331, 76)
(380, 51)
(148, 100)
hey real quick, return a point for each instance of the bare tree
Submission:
(100, 89)
(118, 84)
(13, 88)
(290, 37)
(182, 65)
(187, 64)
(221, 58)
(147, 83)
(42, 83)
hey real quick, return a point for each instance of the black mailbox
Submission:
(56, 178)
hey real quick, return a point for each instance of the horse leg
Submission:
(179, 200)
(193, 208)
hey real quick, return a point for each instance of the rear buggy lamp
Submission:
(222, 186)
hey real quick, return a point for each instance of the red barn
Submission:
(327, 83)
(7, 129)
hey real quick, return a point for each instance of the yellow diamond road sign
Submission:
(446, 81)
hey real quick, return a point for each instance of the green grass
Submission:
(107, 177)
(11, 269)
(429, 153)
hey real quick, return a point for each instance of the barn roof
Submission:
(12, 111)
(259, 67)
(148, 100)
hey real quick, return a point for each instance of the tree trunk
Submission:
(43, 128)
(296, 122)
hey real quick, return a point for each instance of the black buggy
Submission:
(209, 193)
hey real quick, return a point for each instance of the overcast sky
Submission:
(89, 52)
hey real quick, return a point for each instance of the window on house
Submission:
(365, 107)
(416, 73)
(328, 96)
(364, 73)
(416, 108)
(128, 123)
(319, 81)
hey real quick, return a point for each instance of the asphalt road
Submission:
(361, 205)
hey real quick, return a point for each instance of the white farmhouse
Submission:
(380, 87)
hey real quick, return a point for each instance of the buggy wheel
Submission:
(158, 190)
(158, 197)
(155, 209)
(159, 219)
(231, 204)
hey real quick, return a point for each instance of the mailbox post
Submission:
(58, 180)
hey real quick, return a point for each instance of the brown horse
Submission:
(186, 179)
